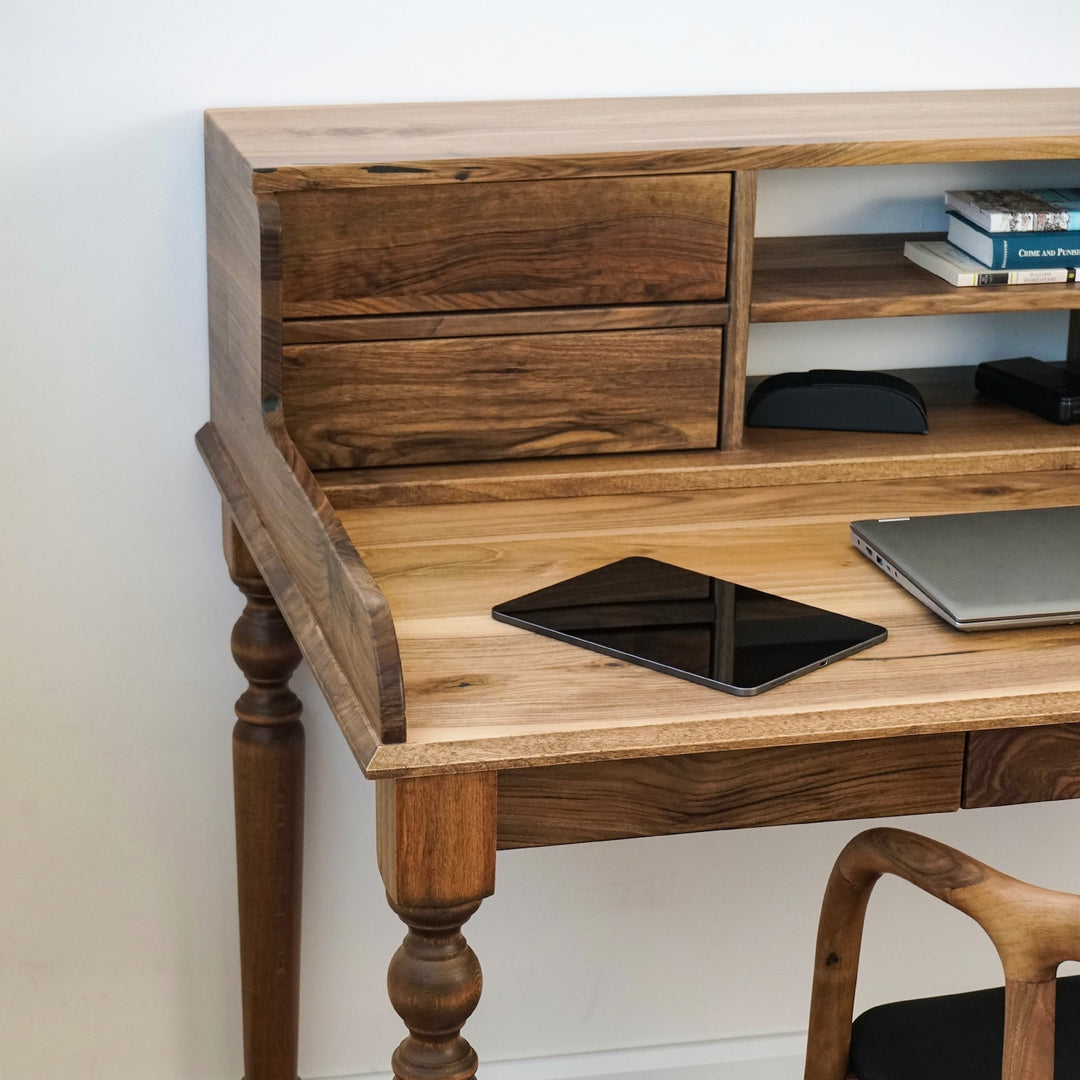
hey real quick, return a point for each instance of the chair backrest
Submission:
(1033, 930)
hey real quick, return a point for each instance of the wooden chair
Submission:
(960, 1036)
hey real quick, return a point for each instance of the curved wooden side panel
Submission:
(346, 607)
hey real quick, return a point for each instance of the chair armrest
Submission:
(1033, 930)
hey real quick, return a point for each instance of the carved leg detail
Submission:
(434, 984)
(268, 774)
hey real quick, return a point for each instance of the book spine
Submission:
(1024, 251)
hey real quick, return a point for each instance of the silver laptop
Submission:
(983, 571)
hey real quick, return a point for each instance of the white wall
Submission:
(117, 935)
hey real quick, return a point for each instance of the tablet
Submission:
(690, 625)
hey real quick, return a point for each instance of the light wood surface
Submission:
(485, 695)
(303, 147)
(1033, 929)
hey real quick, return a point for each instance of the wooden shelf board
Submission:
(809, 278)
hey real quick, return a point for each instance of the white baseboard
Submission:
(764, 1057)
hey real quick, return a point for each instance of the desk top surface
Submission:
(480, 694)
(301, 147)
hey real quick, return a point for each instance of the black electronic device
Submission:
(690, 625)
(1051, 391)
(834, 400)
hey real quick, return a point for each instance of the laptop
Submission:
(983, 571)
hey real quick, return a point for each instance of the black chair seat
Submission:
(956, 1037)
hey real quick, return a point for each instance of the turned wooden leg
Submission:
(436, 841)
(268, 777)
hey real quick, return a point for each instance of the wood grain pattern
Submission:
(485, 695)
(436, 838)
(489, 323)
(436, 851)
(969, 435)
(453, 143)
(737, 336)
(243, 268)
(618, 241)
(1030, 765)
(268, 776)
(570, 804)
(533, 395)
(1033, 930)
(806, 278)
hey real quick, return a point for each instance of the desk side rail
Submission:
(338, 613)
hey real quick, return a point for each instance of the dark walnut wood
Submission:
(268, 770)
(805, 278)
(737, 335)
(608, 800)
(969, 436)
(434, 983)
(531, 395)
(448, 283)
(610, 241)
(349, 328)
(436, 847)
(1021, 766)
(253, 461)
(1034, 930)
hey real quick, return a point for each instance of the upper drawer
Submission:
(505, 245)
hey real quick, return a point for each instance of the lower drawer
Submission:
(480, 398)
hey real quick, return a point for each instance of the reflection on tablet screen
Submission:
(683, 623)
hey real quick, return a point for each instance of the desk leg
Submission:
(268, 777)
(436, 843)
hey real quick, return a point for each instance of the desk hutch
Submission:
(463, 351)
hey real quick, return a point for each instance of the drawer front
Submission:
(483, 398)
(505, 245)
(734, 789)
(1022, 765)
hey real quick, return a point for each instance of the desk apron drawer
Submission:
(546, 243)
(731, 789)
(482, 398)
(1022, 765)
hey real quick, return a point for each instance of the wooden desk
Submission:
(417, 313)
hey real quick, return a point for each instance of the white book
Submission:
(958, 268)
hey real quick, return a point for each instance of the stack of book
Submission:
(1005, 237)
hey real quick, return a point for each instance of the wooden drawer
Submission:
(1022, 765)
(505, 245)
(477, 398)
(733, 789)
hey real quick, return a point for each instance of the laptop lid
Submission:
(982, 571)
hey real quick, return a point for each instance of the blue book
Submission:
(1015, 251)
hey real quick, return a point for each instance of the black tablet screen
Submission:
(691, 625)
